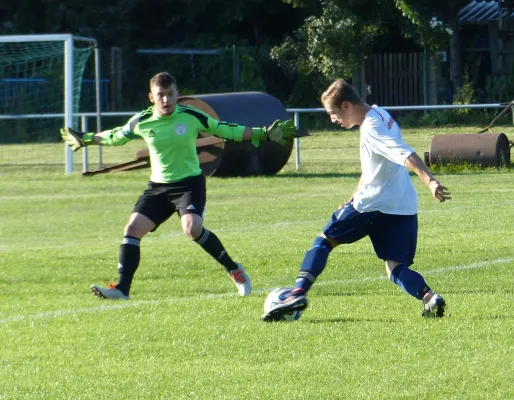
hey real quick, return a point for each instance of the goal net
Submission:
(40, 90)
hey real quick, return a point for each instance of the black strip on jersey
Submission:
(227, 123)
(141, 117)
(202, 118)
(146, 114)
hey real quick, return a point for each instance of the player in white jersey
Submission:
(384, 205)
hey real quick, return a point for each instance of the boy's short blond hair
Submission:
(340, 91)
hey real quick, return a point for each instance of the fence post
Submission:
(83, 128)
(297, 140)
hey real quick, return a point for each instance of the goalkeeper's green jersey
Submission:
(171, 139)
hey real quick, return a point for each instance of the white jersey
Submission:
(386, 185)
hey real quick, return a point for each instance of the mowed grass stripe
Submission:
(131, 304)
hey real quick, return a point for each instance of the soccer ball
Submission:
(277, 296)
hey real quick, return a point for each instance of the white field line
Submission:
(126, 304)
(443, 270)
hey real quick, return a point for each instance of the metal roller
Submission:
(484, 149)
(253, 109)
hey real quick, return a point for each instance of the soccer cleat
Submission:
(241, 280)
(434, 305)
(295, 302)
(111, 293)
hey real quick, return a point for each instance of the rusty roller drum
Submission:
(252, 109)
(484, 149)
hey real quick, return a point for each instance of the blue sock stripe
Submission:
(306, 275)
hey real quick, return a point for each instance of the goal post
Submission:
(40, 88)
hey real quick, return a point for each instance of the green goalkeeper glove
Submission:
(278, 132)
(76, 139)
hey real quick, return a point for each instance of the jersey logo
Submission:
(390, 123)
(180, 129)
(151, 133)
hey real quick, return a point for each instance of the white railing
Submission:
(295, 111)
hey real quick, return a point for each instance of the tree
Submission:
(436, 21)
(343, 32)
(334, 41)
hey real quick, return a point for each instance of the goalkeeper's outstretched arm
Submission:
(279, 131)
(114, 137)
(96, 138)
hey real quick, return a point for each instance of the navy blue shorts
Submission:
(394, 237)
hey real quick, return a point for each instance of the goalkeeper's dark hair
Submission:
(163, 79)
(340, 91)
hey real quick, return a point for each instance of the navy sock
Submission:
(313, 263)
(129, 257)
(410, 281)
(212, 245)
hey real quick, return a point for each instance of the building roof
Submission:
(482, 12)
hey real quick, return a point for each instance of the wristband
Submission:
(88, 139)
(258, 134)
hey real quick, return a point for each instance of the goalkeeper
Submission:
(176, 184)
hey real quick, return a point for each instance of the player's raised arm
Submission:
(76, 139)
(414, 163)
(278, 131)
(113, 137)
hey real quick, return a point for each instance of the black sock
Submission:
(212, 245)
(129, 257)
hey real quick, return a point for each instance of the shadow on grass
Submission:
(492, 317)
(348, 320)
(302, 175)
(466, 169)
(318, 175)
(480, 291)
(496, 317)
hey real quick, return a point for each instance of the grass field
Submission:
(185, 334)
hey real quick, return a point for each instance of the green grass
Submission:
(185, 334)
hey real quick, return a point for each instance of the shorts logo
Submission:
(180, 129)
(191, 207)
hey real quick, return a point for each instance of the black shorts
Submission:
(160, 200)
